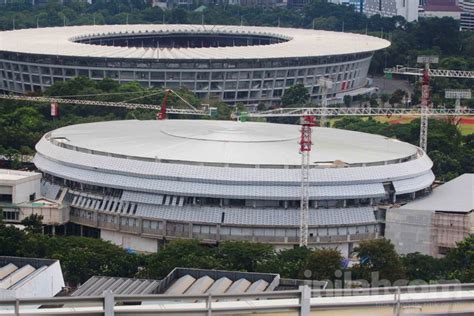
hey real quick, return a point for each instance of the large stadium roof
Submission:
(58, 41)
(226, 142)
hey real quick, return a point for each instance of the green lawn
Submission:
(465, 129)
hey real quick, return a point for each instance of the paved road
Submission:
(390, 85)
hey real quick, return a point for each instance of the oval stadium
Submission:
(142, 183)
(245, 64)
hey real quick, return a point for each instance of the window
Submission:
(6, 198)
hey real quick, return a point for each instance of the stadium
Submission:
(142, 183)
(250, 65)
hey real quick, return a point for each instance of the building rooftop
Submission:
(29, 277)
(442, 6)
(186, 281)
(10, 177)
(226, 142)
(59, 41)
(97, 285)
(453, 196)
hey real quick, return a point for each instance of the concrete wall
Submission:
(408, 9)
(441, 14)
(410, 230)
(129, 241)
(144, 244)
(449, 229)
(48, 283)
(23, 190)
(54, 215)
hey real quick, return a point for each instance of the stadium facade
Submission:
(229, 63)
(142, 183)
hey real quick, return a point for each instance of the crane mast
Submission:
(325, 85)
(307, 122)
(307, 117)
(161, 115)
(425, 103)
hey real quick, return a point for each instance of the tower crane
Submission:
(163, 108)
(307, 117)
(413, 71)
(426, 73)
(308, 120)
(162, 114)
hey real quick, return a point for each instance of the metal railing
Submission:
(301, 301)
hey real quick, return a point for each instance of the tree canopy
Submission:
(83, 257)
(296, 95)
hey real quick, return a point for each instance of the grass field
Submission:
(466, 124)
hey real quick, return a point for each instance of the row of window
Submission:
(181, 64)
(180, 228)
(200, 201)
(193, 85)
(182, 75)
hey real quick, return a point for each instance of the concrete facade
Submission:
(39, 278)
(434, 224)
(233, 64)
(216, 181)
(19, 186)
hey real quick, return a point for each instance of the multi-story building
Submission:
(21, 195)
(233, 64)
(467, 15)
(222, 180)
(388, 8)
(357, 4)
(440, 9)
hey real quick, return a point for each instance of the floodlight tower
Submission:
(425, 98)
(307, 122)
(457, 94)
(325, 85)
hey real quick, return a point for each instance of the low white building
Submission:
(433, 224)
(29, 277)
(23, 193)
(18, 186)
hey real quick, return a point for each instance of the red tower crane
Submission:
(161, 115)
(425, 98)
(307, 122)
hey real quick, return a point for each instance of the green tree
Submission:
(444, 167)
(379, 256)
(384, 98)
(347, 100)
(10, 240)
(397, 97)
(322, 264)
(288, 263)
(179, 253)
(295, 95)
(223, 111)
(33, 223)
(423, 267)
(243, 255)
(83, 257)
(461, 260)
